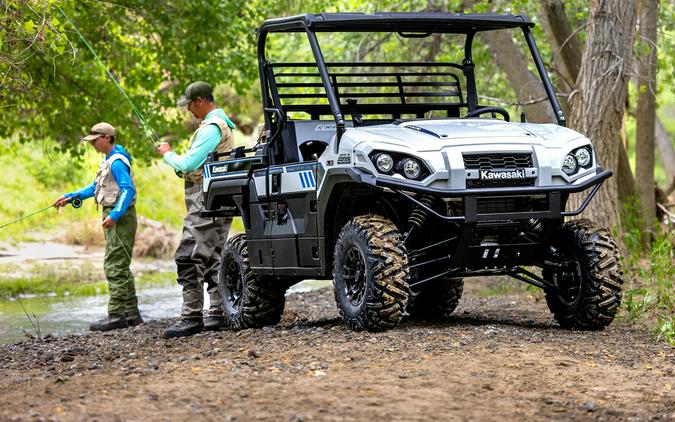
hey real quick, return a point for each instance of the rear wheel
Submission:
(370, 274)
(588, 291)
(438, 300)
(249, 300)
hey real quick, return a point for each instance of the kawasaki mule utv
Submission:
(392, 179)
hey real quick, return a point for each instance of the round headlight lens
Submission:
(384, 163)
(411, 168)
(569, 165)
(583, 156)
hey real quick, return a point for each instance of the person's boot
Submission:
(214, 323)
(184, 328)
(134, 318)
(111, 322)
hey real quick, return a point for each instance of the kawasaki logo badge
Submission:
(219, 169)
(502, 174)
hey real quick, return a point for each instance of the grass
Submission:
(41, 175)
(84, 280)
(651, 294)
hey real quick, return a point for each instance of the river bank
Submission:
(499, 358)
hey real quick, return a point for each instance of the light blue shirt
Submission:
(207, 140)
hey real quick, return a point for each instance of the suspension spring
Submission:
(419, 215)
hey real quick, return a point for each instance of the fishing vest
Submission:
(107, 191)
(225, 145)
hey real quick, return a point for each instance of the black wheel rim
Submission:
(233, 283)
(354, 276)
(569, 283)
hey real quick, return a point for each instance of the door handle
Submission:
(276, 183)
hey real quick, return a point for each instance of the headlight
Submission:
(569, 164)
(583, 156)
(384, 163)
(391, 163)
(411, 168)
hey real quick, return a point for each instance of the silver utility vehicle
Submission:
(393, 180)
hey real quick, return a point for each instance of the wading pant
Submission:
(119, 247)
(198, 255)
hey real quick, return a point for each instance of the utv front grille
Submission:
(503, 205)
(497, 161)
(511, 204)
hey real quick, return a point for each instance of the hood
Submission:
(119, 149)
(423, 135)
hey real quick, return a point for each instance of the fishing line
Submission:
(154, 137)
(114, 231)
(76, 203)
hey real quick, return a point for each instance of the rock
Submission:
(293, 417)
(152, 397)
(253, 354)
(590, 406)
(67, 357)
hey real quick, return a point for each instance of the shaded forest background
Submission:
(612, 63)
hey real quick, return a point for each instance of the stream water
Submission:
(72, 315)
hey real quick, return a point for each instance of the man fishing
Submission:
(198, 254)
(114, 189)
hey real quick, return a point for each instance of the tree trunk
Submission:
(566, 46)
(664, 144)
(646, 112)
(508, 56)
(598, 102)
(567, 53)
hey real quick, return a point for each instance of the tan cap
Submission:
(98, 130)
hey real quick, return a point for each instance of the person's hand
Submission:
(163, 148)
(61, 202)
(108, 223)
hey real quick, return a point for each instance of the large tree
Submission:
(598, 102)
(646, 110)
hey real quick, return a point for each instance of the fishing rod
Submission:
(75, 202)
(154, 137)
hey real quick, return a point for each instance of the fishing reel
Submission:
(76, 202)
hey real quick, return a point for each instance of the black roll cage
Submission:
(405, 24)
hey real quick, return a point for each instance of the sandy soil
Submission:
(499, 358)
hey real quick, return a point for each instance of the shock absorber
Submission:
(419, 215)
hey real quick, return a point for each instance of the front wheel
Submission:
(438, 300)
(370, 274)
(249, 300)
(587, 290)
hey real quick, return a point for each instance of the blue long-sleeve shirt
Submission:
(122, 175)
(206, 141)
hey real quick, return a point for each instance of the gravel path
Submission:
(499, 358)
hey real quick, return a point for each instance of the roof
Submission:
(421, 22)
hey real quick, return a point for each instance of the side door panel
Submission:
(293, 226)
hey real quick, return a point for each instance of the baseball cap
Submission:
(195, 90)
(98, 130)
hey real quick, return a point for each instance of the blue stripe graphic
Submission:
(302, 180)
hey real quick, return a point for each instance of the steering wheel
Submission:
(483, 110)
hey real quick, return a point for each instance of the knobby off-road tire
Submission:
(438, 300)
(588, 297)
(370, 274)
(249, 300)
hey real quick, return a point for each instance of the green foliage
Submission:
(653, 296)
(41, 175)
(84, 280)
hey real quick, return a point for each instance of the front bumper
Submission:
(555, 196)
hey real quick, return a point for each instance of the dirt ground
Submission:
(500, 358)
